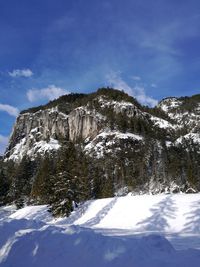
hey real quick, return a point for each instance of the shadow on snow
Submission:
(161, 212)
(100, 215)
(193, 219)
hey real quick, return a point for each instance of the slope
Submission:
(123, 231)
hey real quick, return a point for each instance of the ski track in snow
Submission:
(143, 230)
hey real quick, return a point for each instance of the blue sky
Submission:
(149, 48)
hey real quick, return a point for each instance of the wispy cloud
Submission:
(154, 85)
(160, 48)
(164, 37)
(136, 78)
(13, 111)
(115, 80)
(3, 143)
(51, 92)
(21, 73)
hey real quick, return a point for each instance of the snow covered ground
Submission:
(145, 230)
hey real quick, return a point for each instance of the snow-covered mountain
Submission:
(100, 145)
(184, 111)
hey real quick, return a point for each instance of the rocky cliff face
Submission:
(125, 147)
(48, 123)
(40, 130)
(33, 131)
(84, 123)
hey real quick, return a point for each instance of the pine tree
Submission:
(21, 182)
(61, 200)
(42, 186)
(71, 182)
(4, 187)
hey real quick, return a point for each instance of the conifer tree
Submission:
(4, 187)
(71, 183)
(42, 187)
(21, 182)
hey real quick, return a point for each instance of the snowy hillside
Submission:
(144, 214)
(161, 230)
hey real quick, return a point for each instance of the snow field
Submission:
(122, 231)
(171, 213)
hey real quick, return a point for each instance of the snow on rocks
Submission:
(106, 102)
(43, 146)
(107, 142)
(161, 123)
(192, 137)
(182, 117)
(119, 106)
(18, 150)
(169, 103)
(22, 148)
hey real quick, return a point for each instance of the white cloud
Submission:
(21, 73)
(51, 92)
(115, 80)
(13, 111)
(140, 94)
(154, 85)
(136, 78)
(3, 143)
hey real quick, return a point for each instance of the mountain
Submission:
(84, 146)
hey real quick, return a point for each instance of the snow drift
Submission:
(105, 232)
(74, 246)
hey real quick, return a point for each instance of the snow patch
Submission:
(105, 141)
(41, 147)
(194, 137)
(18, 151)
(169, 104)
(120, 135)
(161, 123)
(105, 102)
(119, 106)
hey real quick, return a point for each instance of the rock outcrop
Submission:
(84, 123)
(34, 129)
